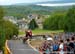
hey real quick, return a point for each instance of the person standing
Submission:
(1, 52)
(68, 48)
(71, 45)
(55, 46)
(61, 47)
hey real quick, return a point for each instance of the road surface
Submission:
(17, 47)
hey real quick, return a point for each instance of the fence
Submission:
(57, 52)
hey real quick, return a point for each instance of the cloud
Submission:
(63, 4)
(7, 2)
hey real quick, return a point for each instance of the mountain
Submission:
(23, 9)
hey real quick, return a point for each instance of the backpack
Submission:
(55, 47)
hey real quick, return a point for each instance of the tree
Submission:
(15, 30)
(64, 21)
(10, 29)
(1, 12)
(2, 38)
(7, 29)
(70, 20)
(2, 31)
(54, 22)
(33, 24)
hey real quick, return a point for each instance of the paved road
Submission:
(17, 47)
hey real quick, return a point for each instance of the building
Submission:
(32, 16)
(11, 19)
(22, 23)
(40, 23)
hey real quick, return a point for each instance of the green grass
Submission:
(21, 32)
(40, 31)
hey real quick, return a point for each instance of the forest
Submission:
(61, 21)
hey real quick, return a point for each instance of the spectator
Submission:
(67, 45)
(41, 49)
(61, 47)
(74, 45)
(65, 48)
(55, 46)
(45, 46)
(71, 45)
(50, 45)
(68, 48)
(1, 52)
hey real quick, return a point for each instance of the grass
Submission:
(41, 31)
(21, 32)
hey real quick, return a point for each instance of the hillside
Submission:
(24, 10)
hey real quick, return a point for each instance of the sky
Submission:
(8, 2)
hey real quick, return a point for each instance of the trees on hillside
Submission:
(65, 21)
(1, 12)
(70, 20)
(52, 23)
(33, 24)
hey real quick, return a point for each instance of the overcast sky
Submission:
(7, 2)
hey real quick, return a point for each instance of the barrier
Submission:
(57, 52)
(7, 50)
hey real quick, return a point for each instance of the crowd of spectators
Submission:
(61, 44)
